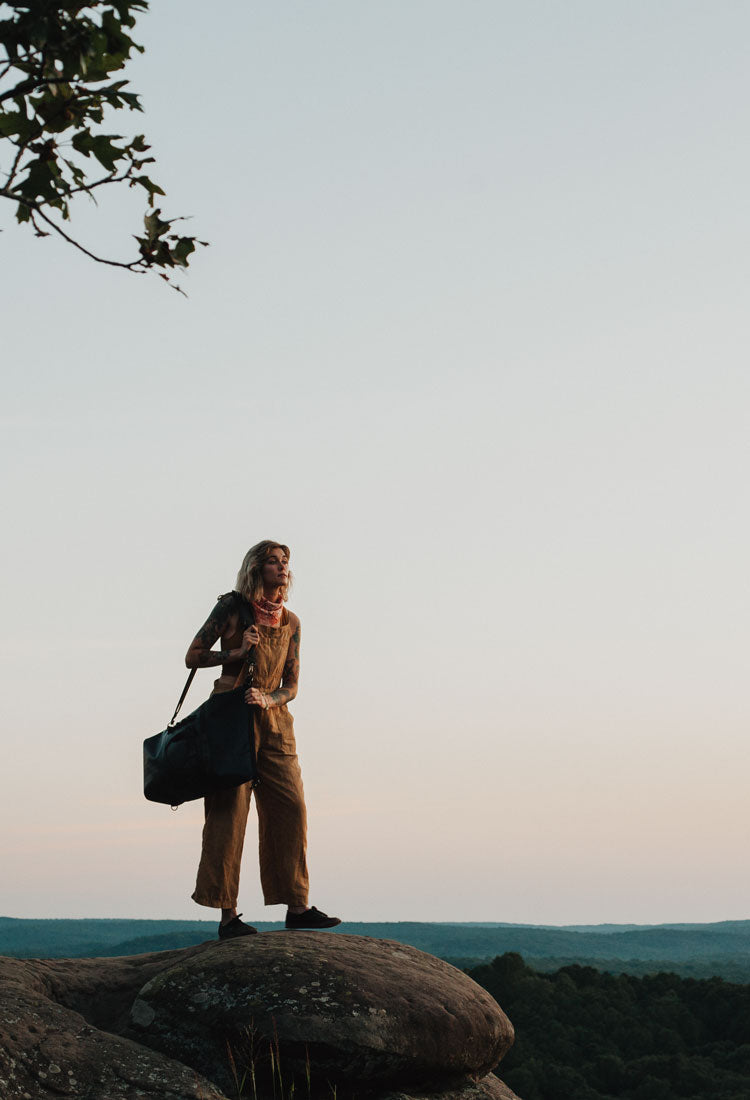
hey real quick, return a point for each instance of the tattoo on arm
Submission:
(200, 654)
(212, 657)
(279, 697)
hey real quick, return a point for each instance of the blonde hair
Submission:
(249, 581)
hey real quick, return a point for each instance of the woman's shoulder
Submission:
(292, 619)
(231, 599)
(227, 603)
(237, 604)
(233, 607)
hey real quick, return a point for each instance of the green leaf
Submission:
(82, 142)
(39, 181)
(16, 124)
(150, 186)
(185, 247)
(105, 152)
(163, 256)
(155, 226)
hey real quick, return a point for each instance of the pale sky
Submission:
(471, 336)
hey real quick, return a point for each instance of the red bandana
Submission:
(267, 613)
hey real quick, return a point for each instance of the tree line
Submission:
(586, 1035)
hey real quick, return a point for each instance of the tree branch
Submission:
(14, 167)
(28, 85)
(37, 212)
(112, 178)
(33, 84)
(15, 62)
(54, 59)
(8, 66)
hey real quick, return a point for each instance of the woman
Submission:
(254, 616)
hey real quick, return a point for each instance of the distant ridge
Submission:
(721, 948)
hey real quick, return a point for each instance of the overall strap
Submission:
(247, 619)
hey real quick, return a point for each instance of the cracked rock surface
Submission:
(277, 1014)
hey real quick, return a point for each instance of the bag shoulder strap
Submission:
(181, 700)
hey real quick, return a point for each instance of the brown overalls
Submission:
(282, 820)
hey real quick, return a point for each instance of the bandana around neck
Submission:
(267, 613)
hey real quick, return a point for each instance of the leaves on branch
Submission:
(56, 88)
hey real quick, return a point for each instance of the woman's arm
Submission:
(201, 655)
(289, 677)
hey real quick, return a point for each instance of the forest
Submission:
(582, 1034)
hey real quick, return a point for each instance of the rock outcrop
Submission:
(56, 1033)
(280, 1013)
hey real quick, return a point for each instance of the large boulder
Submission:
(322, 1010)
(382, 1019)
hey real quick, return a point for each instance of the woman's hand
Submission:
(257, 698)
(250, 638)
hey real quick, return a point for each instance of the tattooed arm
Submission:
(289, 677)
(201, 655)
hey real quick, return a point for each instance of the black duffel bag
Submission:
(210, 750)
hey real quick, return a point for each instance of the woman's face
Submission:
(275, 571)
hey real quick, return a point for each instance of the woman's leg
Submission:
(218, 879)
(282, 830)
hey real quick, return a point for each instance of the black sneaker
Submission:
(228, 930)
(311, 918)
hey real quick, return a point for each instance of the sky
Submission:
(471, 337)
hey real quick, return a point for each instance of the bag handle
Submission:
(246, 672)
